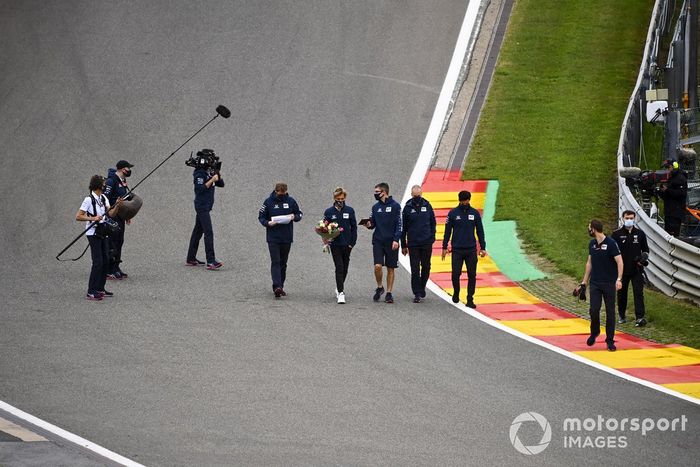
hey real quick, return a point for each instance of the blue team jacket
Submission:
(203, 196)
(345, 219)
(113, 187)
(460, 224)
(273, 206)
(419, 223)
(386, 222)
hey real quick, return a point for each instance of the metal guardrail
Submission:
(674, 266)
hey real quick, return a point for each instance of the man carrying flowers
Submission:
(341, 246)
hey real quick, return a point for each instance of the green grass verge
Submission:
(550, 128)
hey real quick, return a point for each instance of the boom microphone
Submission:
(223, 111)
(630, 172)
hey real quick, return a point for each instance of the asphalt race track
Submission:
(192, 367)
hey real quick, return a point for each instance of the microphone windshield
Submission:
(223, 111)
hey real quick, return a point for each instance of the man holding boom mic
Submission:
(206, 177)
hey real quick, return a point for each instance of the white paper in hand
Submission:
(281, 219)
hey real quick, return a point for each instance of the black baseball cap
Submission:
(122, 164)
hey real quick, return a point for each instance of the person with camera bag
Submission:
(117, 187)
(206, 178)
(604, 269)
(94, 211)
(674, 193)
(634, 248)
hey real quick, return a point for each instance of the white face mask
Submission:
(629, 223)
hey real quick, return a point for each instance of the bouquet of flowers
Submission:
(328, 231)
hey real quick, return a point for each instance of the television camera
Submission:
(205, 159)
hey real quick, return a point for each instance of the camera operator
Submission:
(117, 187)
(632, 243)
(96, 207)
(674, 193)
(206, 178)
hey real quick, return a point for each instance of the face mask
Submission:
(591, 233)
(416, 199)
(377, 196)
(280, 196)
(339, 204)
(629, 223)
(127, 173)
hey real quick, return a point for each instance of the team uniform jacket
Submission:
(203, 196)
(386, 222)
(460, 224)
(114, 187)
(273, 206)
(419, 224)
(631, 245)
(345, 218)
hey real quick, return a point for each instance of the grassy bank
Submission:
(550, 129)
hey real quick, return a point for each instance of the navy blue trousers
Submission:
(202, 226)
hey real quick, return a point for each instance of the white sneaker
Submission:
(341, 297)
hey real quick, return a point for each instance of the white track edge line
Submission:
(96, 448)
(417, 176)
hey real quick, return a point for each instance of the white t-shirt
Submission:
(100, 202)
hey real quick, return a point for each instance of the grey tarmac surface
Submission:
(192, 367)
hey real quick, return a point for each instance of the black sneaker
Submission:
(611, 347)
(641, 322)
(591, 340)
(417, 299)
(114, 276)
(123, 274)
(471, 304)
(378, 293)
(279, 292)
(106, 293)
(455, 297)
(622, 320)
(194, 262)
(389, 298)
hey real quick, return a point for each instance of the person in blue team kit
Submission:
(342, 245)
(460, 225)
(116, 187)
(386, 222)
(417, 240)
(206, 179)
(604, 268)
(277, 214)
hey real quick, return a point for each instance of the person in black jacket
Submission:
(342, 245)
(674, 193)
(116, 187)
(632, 243)
(417, 240)
(386, 222)
(277, 214)
(461, 223)
(206, 179)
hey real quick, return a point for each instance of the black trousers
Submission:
(202, 226)
(341, 259)
(420, 267)
(672, 225)
(600, 292)
(99, 250)
(470, 258)
(637, 281)
(279, 253)
(116, 242)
